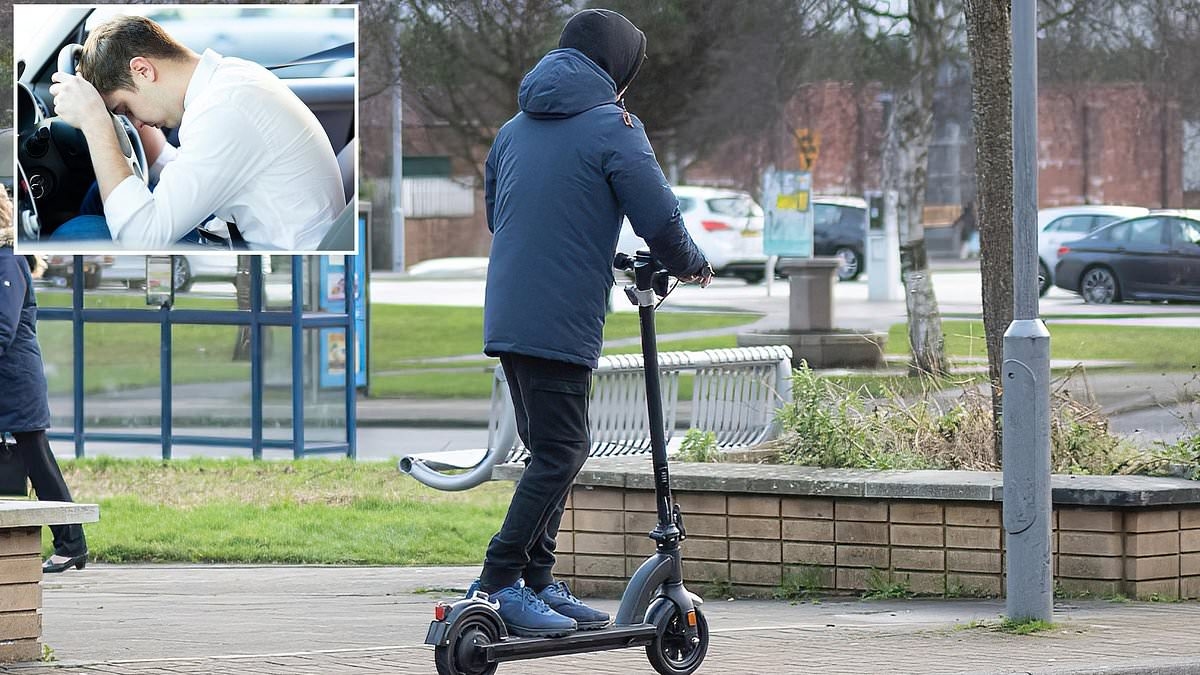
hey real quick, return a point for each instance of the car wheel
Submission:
(1099, 286)
(751, 277)
(181, 274)
(851, 264)
(1044, 283)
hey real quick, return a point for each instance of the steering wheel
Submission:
(127, 135)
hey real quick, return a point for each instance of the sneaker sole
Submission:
(595, 625)
(538, 633)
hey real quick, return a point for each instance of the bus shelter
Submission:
(258, 352)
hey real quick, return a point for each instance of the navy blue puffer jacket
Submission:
(560, 177)
(23, 405)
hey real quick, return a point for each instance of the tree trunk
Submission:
(989, 41)
(906, 162)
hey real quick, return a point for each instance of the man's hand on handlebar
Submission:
(703, 277)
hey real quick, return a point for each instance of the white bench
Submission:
(735, 394)
(21, 523)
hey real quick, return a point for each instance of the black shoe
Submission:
(78, 562)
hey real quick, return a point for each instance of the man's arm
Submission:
(78, 103)
(653, 210)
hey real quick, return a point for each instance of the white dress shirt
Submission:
(250, 152)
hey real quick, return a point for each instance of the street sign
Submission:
(788, 228)
(808, 148)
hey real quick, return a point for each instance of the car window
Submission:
(854, 219)
(825, 216)
(1071, 225)
(738, 207)
(1184, 232)
(1145, 231)
(1101, 221)
(1116, 233)
(269, 36)
(686, 204)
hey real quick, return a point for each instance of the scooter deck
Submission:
(617, 637)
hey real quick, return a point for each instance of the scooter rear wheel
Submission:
(463, 654)
(672, 653)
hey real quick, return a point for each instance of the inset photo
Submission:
(186, 128)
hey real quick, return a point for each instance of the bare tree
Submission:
(933, 26)
(461, 61)
(989, 43)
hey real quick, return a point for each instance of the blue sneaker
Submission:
(526, 615)
(559, 598)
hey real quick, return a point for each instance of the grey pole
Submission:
(1026, 370)
(397, 187)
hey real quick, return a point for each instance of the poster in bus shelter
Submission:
(788, 226)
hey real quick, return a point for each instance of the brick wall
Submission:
(20, 594)
(1105, 145)
(846, 544)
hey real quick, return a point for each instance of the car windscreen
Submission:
(268, 36)
(738, 207)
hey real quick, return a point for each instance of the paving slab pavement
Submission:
(301, 620)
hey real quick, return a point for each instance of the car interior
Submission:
(55, 169)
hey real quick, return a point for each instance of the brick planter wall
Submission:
(937, 532)
(20, 594)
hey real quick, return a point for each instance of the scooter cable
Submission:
(669, 290)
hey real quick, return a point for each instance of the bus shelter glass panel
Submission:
(58, 361)
(210, 381)
(121, 377)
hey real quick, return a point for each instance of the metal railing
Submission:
(256, 318)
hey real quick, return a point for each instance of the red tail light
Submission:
(440, 610)
(714, 225)
(1063, 250)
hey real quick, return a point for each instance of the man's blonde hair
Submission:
(113, 44)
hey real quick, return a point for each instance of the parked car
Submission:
(187, 269)
(1061, 224)
(726, 224)
(60, 269)
(840, 230)
(1153, 257)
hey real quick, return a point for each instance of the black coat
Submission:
(23, 404)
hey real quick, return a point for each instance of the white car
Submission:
(727, 225)
(188, 268)
(1061, 224)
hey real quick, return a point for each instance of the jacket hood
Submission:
(563, 84)
(609, 40)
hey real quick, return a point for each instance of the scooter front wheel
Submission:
(463, 654)
(672, 653)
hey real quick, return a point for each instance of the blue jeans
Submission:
(90, 224)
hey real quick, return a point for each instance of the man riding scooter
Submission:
(559, 178)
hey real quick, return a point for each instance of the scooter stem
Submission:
(645, 273)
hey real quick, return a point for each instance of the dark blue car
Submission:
(1152, 257)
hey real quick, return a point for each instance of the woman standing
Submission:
(24, 409)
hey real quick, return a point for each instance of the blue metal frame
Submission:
(256, 318)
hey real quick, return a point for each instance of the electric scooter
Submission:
(656, 611)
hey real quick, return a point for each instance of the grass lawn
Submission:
(126, 356)
(414, 332)
(1143, 347)
(310, 511)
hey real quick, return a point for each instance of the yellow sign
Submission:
(808, 148)
(796, 201)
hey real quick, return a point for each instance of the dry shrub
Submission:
(950, 427)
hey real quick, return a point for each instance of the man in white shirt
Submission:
(250, 152)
